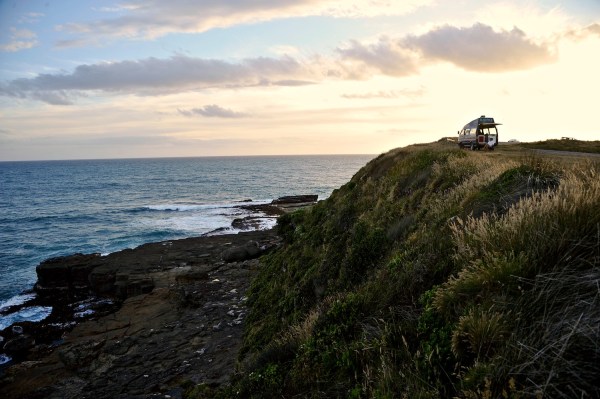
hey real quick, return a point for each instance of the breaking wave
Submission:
(33, 313)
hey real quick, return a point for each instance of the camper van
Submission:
(479, 133)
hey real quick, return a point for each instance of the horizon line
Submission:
(181, 157)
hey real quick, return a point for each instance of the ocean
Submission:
(55, 208)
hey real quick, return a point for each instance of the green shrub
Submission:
(436, 362)
(367, 247)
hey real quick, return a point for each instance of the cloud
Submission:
(154, 18)
(23, 33)
(386, 56)
(579, 34)
(5, 132)
(20, 39)
(370, 95)
(152, 76)
(212, 111)
(476, 48)
(480, 48)
(70, 43)
(389, 94)
(58, 97)
(18, 45)
(292, 82)
(285, 50)
(593, 29)
(30, 18)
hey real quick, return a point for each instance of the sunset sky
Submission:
(146, 78)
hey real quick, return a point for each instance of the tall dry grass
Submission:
(474, 173)
(525, 301)
(555, 347)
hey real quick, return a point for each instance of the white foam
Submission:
(268, 223)
(199, 222)
(88, 303)
(193, 223)
(201, 207)
(63, 325)
(4, 358)
(175, 207)
(15, 300)
(79, 315)
(33, 313)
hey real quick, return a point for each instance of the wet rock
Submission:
(17, 329)
(250, 250)
(250, 222)
(65, 273)
(19, 344)
(77, 357)
(137, 285)
(188, 327)
(295, 199)
(102, 280)
(191, 276)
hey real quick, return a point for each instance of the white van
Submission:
(479, 133)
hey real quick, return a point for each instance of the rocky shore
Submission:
(138, 323)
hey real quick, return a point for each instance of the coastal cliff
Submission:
(434, 272)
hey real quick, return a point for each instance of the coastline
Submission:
(169, 312)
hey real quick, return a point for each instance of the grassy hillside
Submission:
(434, 272)
(565, 145)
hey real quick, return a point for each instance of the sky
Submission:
(86, 79)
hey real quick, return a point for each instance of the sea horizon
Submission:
(186, 157)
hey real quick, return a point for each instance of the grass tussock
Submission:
(434, 273)
(531, 277)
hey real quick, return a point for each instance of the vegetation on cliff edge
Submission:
(565, 144)
(434, 272)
